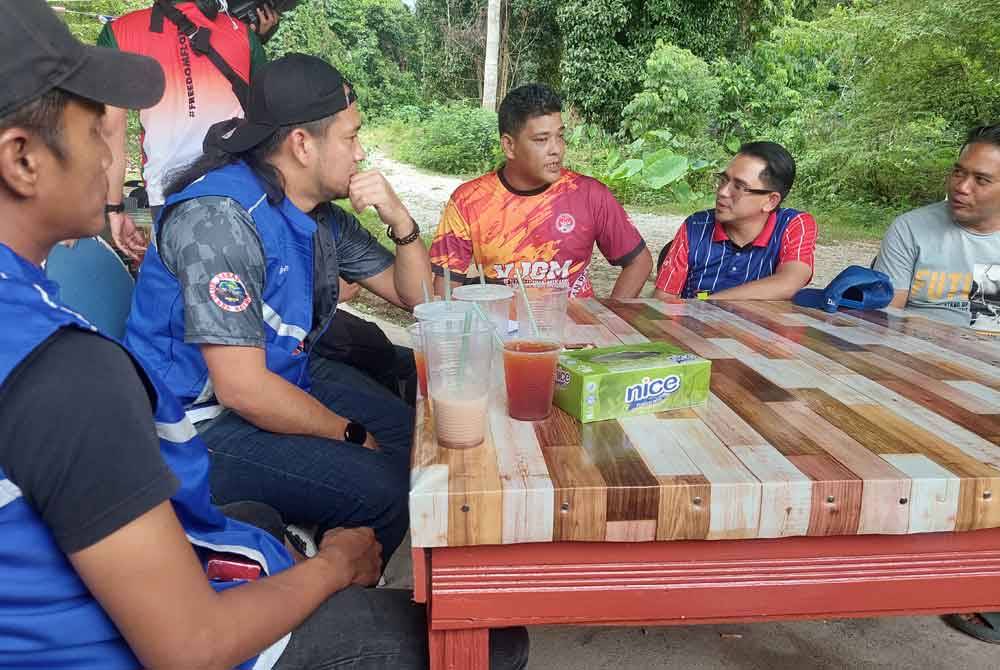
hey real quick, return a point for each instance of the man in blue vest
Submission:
(748, 247)
(243, 280)
(105, 509)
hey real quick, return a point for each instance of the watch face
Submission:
(356, 433)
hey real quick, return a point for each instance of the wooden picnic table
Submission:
(845, 464)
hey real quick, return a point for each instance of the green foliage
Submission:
(605, 43)
(914, 76)
(369, 41)
(451, 36)
(85, 19)
(456, 139)
(679, 93)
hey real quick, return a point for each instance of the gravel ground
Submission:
(426, 194)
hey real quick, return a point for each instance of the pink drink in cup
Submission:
(458, 362)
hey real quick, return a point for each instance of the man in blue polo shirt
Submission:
(748, 247)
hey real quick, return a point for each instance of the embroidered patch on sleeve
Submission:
(228, 292)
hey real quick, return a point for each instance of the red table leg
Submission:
(460, 649)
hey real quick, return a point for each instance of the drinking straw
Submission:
(493, 327)
(427, 294)
(482, 275)
(527, 303)
(466, 329)
(447, 284)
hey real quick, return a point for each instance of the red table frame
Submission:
(469, 590)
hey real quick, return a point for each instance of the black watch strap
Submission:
(355, 433)
(400, 241)
(114, 209)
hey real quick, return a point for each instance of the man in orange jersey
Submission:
(534, 216)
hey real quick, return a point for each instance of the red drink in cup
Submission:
(417, 342)
(530, 369)
(418, 359)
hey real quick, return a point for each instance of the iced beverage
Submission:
(530, 370)
(458, 356)
(417, 344)
(418, 359)
(460, 421)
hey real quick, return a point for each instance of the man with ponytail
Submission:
(242, 281)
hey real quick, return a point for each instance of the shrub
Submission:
(457, 139)
(679, 93)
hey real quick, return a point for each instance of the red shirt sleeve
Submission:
(452, 244)
(673, 274)
(799, 241)
(617, 237)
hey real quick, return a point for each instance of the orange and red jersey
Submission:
(549, 234)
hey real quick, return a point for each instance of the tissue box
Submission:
(631, 379)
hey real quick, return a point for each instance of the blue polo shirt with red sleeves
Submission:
(703, 258)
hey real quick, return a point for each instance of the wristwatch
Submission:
(400, 241)
(114, 209)
(355, 433)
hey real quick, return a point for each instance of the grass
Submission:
(847, 223)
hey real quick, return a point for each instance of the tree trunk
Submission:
(491, 61)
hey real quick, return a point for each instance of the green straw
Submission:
(466, 329)
(527, 303)
(493, 327)
(482, 275)
(447, 284)
(427, 294)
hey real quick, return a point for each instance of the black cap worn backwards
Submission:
(38, 54)
(295, 88)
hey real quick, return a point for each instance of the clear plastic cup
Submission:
(458, 362)
(493, 299)
(417, 344)
(530, 371)
(548, 306)
(442, 310)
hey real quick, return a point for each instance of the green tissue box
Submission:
(627, 380)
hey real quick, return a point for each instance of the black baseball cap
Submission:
(296, 88)
(38, 53)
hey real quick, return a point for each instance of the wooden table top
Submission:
(817, 424)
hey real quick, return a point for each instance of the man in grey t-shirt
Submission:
(944, 259)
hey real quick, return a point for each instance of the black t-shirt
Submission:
(77, 436)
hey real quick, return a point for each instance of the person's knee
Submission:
(509, 648)
(389, 496)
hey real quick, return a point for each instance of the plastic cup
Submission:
(530, 370)
(548, 306)
(458, 376)
(417, 344)
(493, 299)
(442, 310)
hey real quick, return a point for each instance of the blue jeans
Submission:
(375, 629)
(368, 629)
(313, 480)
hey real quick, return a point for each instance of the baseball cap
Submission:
(854, 288)
(38, 53)
(296, 88)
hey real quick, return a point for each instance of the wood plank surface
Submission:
(816, 424)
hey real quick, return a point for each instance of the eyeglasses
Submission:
(722, 179)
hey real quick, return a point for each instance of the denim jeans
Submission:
(377, 629)
(368, 629)
(312, 480)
